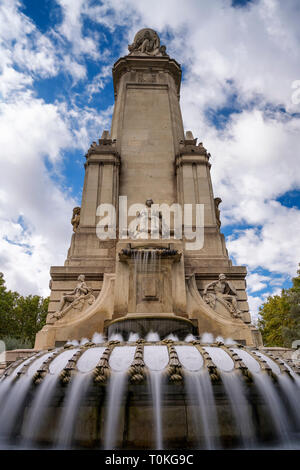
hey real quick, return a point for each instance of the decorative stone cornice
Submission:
(106, 147)
(191, 153)
(188, 159)
(146, 63)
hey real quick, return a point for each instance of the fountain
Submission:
(126, 395)
(148, 343)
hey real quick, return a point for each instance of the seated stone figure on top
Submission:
(146, 42)
(224, 291)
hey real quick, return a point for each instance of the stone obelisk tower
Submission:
(146, 155)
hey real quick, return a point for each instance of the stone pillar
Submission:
(194, 187)
(147, 126)
(88, 254)
(101, 183)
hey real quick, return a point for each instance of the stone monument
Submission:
(131, 283)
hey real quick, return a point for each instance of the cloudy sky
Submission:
(240, 96)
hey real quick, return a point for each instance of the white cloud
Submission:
(12, 81)
(22, 44)
(99, 81)
(33, 210)
(255, 302)
(73, 30)
(257, 282)
(35, 205)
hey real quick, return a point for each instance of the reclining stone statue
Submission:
(223, 291)
(82, 295)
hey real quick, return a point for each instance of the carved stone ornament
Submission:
(223, 292)
(150, 222)
(75, 218)
(146, 43)
(80, 298)
(217, 202)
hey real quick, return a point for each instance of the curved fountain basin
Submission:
(58, 364)
(121, 357)
(252, 364)
(200, 397)
(293, 374)
(38, 363)
(89, 359)
(156, 357)
(275, 368)
(220, 358)
(190, 357)
(19, 367)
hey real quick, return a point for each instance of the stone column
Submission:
(101, 183)
(147, 126)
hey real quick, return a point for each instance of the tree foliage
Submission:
(279, 320)
(21, 317)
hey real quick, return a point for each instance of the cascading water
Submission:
(13, 407)
(133, 337)
(35, 418)
(207, 338)
(155, 384)
(235, 392)
(152, 337)
(240, 407)
(98, 338)
(115, 393)
(120, 360)
(275, 407)
(4, 389)
(75, 394)
(156, 359)
(199, 385)
(190, 338)
(292, 394)
(47, 395)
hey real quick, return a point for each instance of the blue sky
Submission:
(240, 96)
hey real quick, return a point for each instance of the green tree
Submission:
(30, 316)
(21, 317)
(291, 331)
(8, 303)
(279, 320)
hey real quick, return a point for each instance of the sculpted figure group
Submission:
(224, 291)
